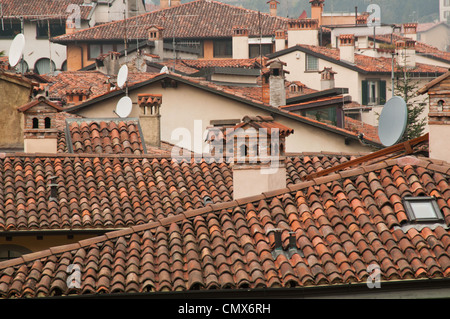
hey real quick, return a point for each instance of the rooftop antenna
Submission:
(393, 121)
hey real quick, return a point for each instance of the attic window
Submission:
(422, 209)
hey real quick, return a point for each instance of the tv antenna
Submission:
(393, 121)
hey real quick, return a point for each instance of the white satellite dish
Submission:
(124, 106)
(393, 121)
(16, 49)
(122, 76)
(164, 69)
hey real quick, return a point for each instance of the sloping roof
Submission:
(363, 64)
(230, 93)
(192, 20)
(432, 83)
(42, 9)
(105, 136)
(341, 224)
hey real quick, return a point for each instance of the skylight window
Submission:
(422, 209)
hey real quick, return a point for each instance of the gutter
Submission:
(415, 289)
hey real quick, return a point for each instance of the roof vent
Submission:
(207, 200)
(53, 189)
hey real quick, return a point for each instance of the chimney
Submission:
(303, 31)
(108, 63)
(347, 47)
(40, 132)
(256, 150)
(438, 116)
(273, 7)
(317, 10)
(406, 53)
(327, 79)
(274, 90)
(164, 4)
(280, 40)
(410, 30)
(155, 34)
(150, 118)
(240, 43)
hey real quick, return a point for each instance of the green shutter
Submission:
(365, 93)
(382, 86)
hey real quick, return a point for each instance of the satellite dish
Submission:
(16, 49)
(164, 69)
(122, 76)
(393, 121)
(124, 106)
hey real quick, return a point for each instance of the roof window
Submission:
(422, 209)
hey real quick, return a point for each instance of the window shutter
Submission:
(365, 93)
(382, 86)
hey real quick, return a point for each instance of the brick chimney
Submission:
(240, 42)
(280, 40)
(256, 150)
(273, 7)
(273, 84)
(327, 79)
(406, 53)
(40, 133)
(347, 47)
(410, 30)
(317, 10)
(155, 34)
(150, 117)
(303, 31)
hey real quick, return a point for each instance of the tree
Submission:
(406, 87)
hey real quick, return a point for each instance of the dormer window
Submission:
(422, 209)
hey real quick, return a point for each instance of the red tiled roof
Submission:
(369, 131)
(371, 64)
(40, 9)
(341, 224)
(122, 136)
(195, 19)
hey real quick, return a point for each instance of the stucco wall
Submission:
(188, 110)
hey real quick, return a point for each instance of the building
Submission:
(40, 21)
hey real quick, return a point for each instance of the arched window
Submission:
(35, 123)
(44, 66)
(47, 122)
(12, 251)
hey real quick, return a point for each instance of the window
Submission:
(94, 50)
(373, 92)
(9, 30)
(35, 123)
(223, 49)
(12, 251)
(422, 209)
(56, 28)
(47, 122)
(254, 50)
(44, 66)
(312, 63)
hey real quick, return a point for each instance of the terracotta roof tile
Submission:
(105, 136)
(193, 20)
(340, 226)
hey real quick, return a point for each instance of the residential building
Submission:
(444, 10)
(41, 20)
